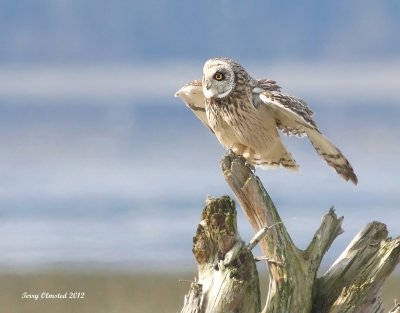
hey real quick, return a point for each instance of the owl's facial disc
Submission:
(218, 79)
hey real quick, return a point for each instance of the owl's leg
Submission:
(238, 148)
(248, 154)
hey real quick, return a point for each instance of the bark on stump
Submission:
(228, 279)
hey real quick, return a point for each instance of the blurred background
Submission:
(104, 173)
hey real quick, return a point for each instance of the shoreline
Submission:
(100, 291)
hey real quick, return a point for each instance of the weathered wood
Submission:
(228, 278)
(352, 284)
(354, 281)
(293, 273)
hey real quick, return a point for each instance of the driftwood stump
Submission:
(228, 279)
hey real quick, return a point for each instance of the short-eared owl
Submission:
(245, 115)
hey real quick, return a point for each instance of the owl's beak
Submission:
(207, 89)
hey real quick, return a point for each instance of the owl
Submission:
(245, 115)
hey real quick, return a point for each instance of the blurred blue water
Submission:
(123, 184)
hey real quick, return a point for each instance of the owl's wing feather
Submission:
(294, 117)
(192, 95)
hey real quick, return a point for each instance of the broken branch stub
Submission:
(227, 275)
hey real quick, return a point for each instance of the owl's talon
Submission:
(231, 153)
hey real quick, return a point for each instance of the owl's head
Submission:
(218, 78)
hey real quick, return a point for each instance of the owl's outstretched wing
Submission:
(294, 117)
(192, 95)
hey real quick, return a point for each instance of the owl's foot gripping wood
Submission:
(247, 152)
(237, 151)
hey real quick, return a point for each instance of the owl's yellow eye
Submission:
(218, 76)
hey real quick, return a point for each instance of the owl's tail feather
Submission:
(332, 155)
